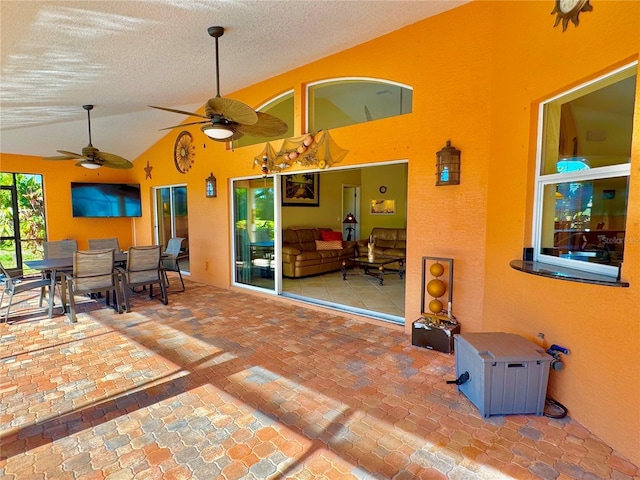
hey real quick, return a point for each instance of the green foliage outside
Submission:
(30, 214)
(264, 210)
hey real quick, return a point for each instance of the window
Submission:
(582, 179)
(347, 101)
(281, 107)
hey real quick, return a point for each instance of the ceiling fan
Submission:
(91, 157)
(226, 119)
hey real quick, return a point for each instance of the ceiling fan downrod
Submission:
(88, 108)
(216, 33)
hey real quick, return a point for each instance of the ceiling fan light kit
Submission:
(225, 119)
(89, 165)
(217, 132)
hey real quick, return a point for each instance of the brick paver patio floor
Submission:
(226, 385)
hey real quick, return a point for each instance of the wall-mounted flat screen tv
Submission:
(106, 200)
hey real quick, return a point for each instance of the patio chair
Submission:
(93, 272)
(171, 259)
(102, 243)
(143, 268)
(18, 284)
(59, 249)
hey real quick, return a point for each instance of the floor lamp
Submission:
(350, 220)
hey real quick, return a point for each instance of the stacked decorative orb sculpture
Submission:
(436, 288)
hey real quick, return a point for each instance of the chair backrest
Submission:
(6, 278)
(104, 243)
(173, 246)
(93, 269)
(143, 264)
(60, 248)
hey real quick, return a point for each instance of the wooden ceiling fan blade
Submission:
(65, 156)
(266, 126)
(60, 157)
(232, 110)
(182, 112)
(113, 161)
(187, 124)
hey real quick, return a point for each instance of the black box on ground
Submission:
(434, 334)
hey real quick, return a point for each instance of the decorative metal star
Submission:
(147, 170)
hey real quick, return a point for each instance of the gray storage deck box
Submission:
(507, 373)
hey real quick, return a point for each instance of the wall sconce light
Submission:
(211, 188)
(448, 166)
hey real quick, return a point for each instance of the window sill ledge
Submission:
(560, 273)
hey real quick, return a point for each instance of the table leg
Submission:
(52, 293)
(401, 269)
(381, 274)
(344, 270)
(63, 293)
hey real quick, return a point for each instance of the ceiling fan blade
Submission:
(186, 124)
(113, 161)
(60, 157)
(192, 114)
(266, 126)
(232, 110)
(65, 156)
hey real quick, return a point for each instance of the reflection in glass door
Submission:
(172, 218)
(254, 232)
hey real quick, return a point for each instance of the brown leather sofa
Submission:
(301, 257)
(389, 242)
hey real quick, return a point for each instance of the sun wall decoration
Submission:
(184, 152)
(569, 10)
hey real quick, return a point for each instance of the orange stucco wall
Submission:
(478, 72)
(595, 323)
(57, 178)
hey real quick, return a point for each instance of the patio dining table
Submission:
(51, 266)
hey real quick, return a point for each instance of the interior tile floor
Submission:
(231, 385)
(357, 290)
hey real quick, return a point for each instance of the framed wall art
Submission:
(301, 190)
(383, 207)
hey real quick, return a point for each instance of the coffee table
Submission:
(373, 266)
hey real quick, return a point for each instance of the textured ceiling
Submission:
(124, 55)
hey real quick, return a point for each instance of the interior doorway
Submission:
(350, 205)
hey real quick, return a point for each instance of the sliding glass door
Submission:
(253, 214)
(22, 219)
(172, 217)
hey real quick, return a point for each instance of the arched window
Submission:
(347, 101)
(281, 107)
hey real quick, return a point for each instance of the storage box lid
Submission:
(502, 347)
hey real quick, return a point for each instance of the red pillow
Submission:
(328, 235)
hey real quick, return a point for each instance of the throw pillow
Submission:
(329, 245)
(328, 235)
